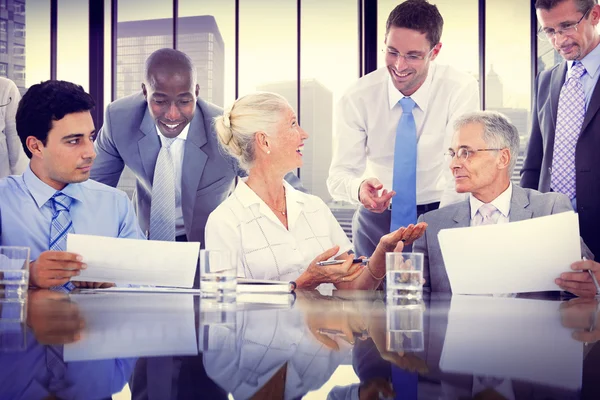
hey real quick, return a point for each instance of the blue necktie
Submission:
(404, 209)
(60, 226)
(405, 383)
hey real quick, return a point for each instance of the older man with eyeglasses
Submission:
(394, 124)
(563, 148)
(482, 156)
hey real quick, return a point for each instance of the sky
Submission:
(268, 40)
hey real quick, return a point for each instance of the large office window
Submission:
(206, 33)
(37, 43)
(268, 58)
(73, 43)
(329, 64)
(508, 66)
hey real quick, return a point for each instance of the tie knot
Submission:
(577, 70)
(167, 142)
(407, 104)
(61, 202)
(487, 210)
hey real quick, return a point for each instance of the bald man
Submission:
(164, 134)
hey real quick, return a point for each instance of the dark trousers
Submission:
(368, 227)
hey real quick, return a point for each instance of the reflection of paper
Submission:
(145, 289)
(511, 338)
(523, 256)
(137, 262)
(121, 326)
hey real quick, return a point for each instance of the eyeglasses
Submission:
(463, 153)
(566, 30)
(409, 58)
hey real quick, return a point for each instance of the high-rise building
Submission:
(198, 37)
(12, 41)
(316, 119)
(494, 95)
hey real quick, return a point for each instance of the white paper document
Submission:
(523, 256)
(519, 339)
(136, 262)
(143, 325)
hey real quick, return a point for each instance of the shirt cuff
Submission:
(354, 188)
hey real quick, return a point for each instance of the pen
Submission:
(593, 279)
(335, 262)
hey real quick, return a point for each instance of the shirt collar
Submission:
(247, 196)
(42, 192)
(591, 62)
(502, 202)
(420, 96)
(183, 135)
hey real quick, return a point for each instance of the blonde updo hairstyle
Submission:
(237, 127)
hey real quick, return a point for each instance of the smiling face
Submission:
(484, 172)
(287, 144)
(69, 152)
(578, 42)
(171, 98)
(408, 77)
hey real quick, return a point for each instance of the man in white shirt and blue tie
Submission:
(394, 125)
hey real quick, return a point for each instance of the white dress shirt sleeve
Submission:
(349, 152)
(464, 101)
(338, 236)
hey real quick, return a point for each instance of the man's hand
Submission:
(53, 318)
(369, 196)
(55, 268)
(580, 283)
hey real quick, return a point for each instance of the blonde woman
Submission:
(276, 231)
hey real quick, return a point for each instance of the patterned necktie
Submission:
(162, 209)
(487, 214)
(404, 210)
(569, 119)
(61, 223)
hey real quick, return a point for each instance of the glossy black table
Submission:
(352, 345)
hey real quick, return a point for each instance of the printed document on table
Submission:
(523, 256)
(135, 262)
(520, 339)
(127, 325)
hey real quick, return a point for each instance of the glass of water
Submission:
(404, 274)
(14, 270)
(218, 274)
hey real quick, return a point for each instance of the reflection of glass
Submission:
(404, 318)
(218, 274)
(12, 314)
(14, 270)
(217, 321)
(404, 274)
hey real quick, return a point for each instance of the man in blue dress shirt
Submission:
(54, 197)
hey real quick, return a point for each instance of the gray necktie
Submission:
(162, 209)
(487, 214)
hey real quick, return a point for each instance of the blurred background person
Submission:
(12, 157)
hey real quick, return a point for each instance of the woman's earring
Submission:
(268, 151)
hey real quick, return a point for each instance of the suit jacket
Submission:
(538, 162)
(525, 204)
(128, 137)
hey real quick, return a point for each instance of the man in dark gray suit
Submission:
(565, 141)
(482, 158)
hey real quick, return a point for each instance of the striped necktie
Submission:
(162, 209)
(61, 223)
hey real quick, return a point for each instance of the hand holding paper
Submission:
(137, 262)
(524, 256)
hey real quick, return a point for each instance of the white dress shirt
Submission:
(365, 134)
(502, 203)
(245, 225)
(176, 150)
